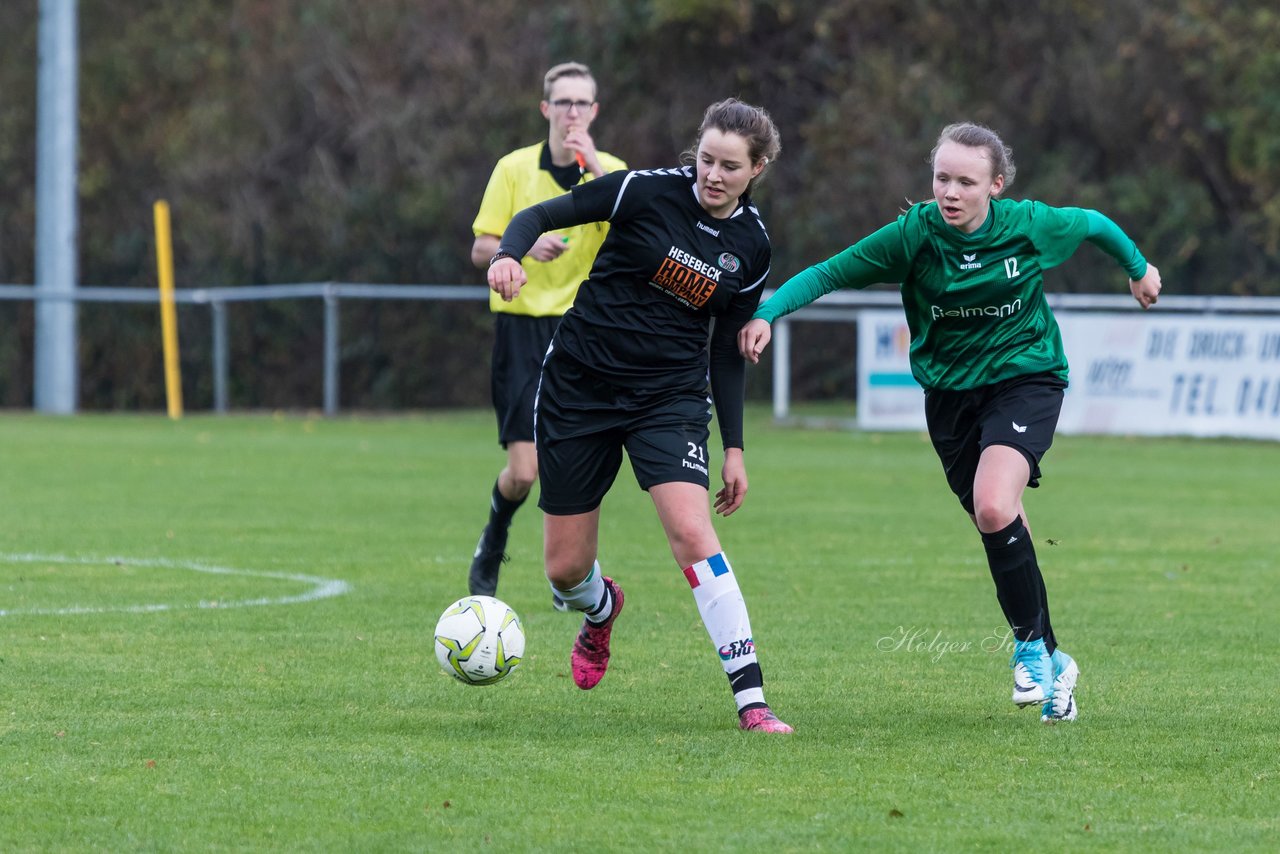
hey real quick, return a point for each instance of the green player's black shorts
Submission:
(1021, 412)
(519, 344)
(584, 422)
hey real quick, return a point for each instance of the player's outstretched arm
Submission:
(753, 338)
(1147, 289)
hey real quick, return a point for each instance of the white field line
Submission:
(320, 588)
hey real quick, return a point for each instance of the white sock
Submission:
(592, 596)
(724, 613)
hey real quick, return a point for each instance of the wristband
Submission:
(500, 254)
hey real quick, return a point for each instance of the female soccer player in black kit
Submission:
(628, 369)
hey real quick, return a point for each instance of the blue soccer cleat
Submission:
(1062, 707)
(1032, 673)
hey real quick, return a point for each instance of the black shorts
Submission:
(1021, 412)
(519, 344)
(585, 422)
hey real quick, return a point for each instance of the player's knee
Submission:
(566, 572)
(522, 480)
(993, 515)
(516, 480)
(692, 541)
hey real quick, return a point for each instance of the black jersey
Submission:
(642, 318)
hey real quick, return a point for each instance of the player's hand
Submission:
(734, 474)
(506, 278)
(753, 338)
(1147, 289)
(549, 247)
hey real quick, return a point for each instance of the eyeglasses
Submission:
(564, 105)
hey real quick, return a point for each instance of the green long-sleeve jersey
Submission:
(975, 303)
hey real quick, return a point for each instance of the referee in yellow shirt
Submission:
(555, 266)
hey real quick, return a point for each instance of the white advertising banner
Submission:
(1131, 373)
(1153, 374)
(888, 396)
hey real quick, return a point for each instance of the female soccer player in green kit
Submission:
(987, 351)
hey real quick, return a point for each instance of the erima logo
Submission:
(708, 229)
(1018, 427)
(1009, 308)
(971, 262)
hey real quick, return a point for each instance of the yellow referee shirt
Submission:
(518, 181)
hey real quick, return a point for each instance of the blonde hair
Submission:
(566, 69)
(975, 135)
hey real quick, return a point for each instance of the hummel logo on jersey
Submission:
(1016, 426)
(708, 229)
(971, 262)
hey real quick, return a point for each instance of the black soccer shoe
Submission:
(490, 554)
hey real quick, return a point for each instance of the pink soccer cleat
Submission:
(590, 656)
(763, 720)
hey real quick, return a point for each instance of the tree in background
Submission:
(313, 140)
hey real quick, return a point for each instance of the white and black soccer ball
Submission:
(479, 640)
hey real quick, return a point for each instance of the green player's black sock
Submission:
(1019, 585)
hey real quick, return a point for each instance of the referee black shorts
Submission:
(519, 345)
(1021, 412)
(584, 423)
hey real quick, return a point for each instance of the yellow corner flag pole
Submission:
(168, 312)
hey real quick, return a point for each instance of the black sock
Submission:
(1019, 585)
(1050, 642)
(501, 511)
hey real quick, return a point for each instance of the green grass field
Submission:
(175, 675)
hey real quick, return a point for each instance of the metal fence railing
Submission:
(217, 299)
(842, 306)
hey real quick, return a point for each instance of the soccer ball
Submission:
(479, 640)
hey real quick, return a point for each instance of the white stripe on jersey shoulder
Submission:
(683, 170)
(757, 283)
(754, 212)
(618, 200)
